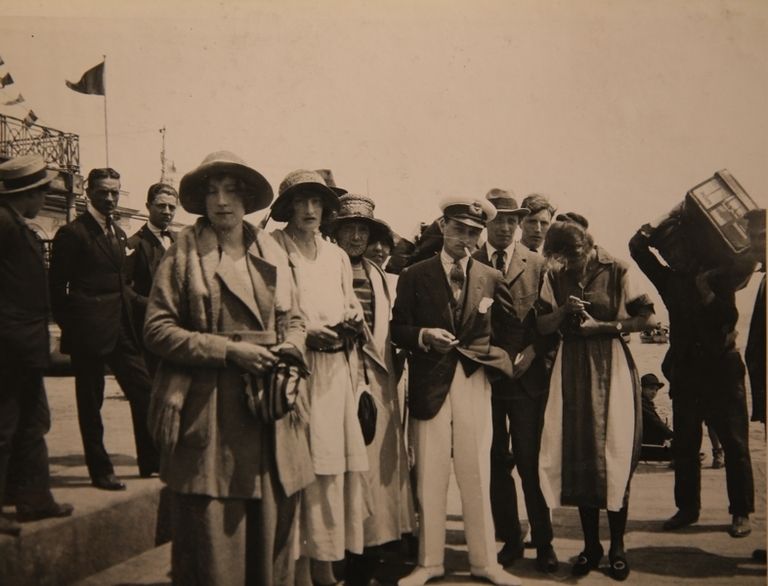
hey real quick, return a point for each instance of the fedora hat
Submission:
(302, 180)
(650, 380)
(24, 173)
(192, 189)
(360, 208)
(469, 211)
(505, 203)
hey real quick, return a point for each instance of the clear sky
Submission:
(614, 108)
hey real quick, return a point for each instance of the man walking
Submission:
(24, 352)
(91, 303)
(518, 403)
(147, 247)
(443, 316)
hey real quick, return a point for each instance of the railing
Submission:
(59, 149)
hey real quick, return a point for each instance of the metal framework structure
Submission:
(60, 149)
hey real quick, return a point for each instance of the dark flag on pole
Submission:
(6, 80)
(30, 118)
(92, 82)
(15, 101)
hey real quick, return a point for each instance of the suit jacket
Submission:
(23, 294)
(89, 292)
(524, 276)
(424, 301)
(147, 251)
(754, 354)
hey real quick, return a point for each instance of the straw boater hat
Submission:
(192, 189)
(302, 181)
(24, 173)
(505, 203)
(360, 208)
(469, 211)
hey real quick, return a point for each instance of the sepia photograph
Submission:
(383, 292)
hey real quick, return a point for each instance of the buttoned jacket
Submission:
(424, 301)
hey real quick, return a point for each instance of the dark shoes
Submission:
(586, 562)
(619, 569)
(681, 519)
(546, 560)
(51, 511)
(8, 527)
(718, 459)
(740, 526)
(108, 482)
(510, 553)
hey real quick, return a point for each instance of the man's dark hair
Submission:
(573, 217)
(537, 202)
(102, 173)
(157, 188)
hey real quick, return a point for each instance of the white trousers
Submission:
(464, 422)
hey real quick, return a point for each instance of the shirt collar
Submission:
(447, 262)
(159, 233)
(100, 218)
(509, 250)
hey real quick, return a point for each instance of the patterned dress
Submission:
(592, 431)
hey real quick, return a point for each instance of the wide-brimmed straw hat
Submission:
(193, 187)
(331, 182)
(302, 181)
(360, 208)
(505, 203)
(24, 173)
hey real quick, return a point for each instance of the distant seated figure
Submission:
(655, 431)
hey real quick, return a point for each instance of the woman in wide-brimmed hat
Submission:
(220, 315)
(332, 506)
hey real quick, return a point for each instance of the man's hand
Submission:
(440, 340)
(250, 357)
(523, 361)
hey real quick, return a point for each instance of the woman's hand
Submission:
(575, 305)
(250, 357)
(353, 314)
(319, 336)
(590, 326)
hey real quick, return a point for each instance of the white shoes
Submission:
(421, 575)
(497, 575)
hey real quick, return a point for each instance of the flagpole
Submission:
(106, 132)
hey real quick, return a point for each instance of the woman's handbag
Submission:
(273, 395)
(366, 408)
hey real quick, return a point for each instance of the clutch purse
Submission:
(273, 395)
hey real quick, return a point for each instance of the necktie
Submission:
(500, 259)
(111, 237)
(457, 280)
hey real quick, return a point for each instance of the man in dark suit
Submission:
(448, 313)
(92, 304)
(518, 403)
(147, 247)
(24, 351)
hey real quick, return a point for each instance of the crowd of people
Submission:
(303, 392)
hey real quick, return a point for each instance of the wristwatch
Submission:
(619, 326)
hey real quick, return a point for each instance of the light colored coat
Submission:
(198, 301)
(387, 484)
